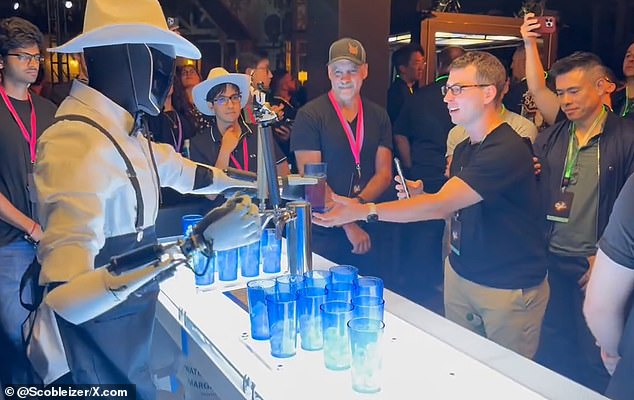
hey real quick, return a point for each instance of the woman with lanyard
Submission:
(171, 127)
(230, 142)
(24, 117)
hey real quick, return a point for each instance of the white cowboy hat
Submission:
(111, 22)
(218, 76)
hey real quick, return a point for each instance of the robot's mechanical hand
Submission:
(234, 224)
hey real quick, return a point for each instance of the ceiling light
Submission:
(16, 5)
(68, 4)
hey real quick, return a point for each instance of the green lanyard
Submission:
(573, 153)
(627, 108)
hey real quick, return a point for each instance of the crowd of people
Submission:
(518, 186)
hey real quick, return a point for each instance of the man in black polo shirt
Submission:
(495, 278)
(353, 136)
(611, 318)
(24, 117)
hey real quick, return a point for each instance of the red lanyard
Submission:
(245, 156)
(31, 139)
(251, 115)
(355, 144)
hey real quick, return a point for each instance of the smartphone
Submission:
(547, 24)
(399, 171)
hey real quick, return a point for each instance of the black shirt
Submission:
(205, 148)
(618, 244)
(15, 157)
(397, 95)
(318, 128)
(425, 121)
(165, 129)
(502, 244)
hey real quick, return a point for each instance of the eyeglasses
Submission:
(456, 90)
(27, 58)
(222, 100)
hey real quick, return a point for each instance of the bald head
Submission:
(446, 57)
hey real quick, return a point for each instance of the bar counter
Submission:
(424, 355)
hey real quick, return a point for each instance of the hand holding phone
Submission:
(547, 24)
(399, 171)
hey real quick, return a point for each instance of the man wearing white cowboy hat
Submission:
(231, 142)
(98, 182)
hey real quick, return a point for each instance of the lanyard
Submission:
(355, 144)
(177, 143)
(628, 106)
(572, 154)
(245, 156)
(31, 139)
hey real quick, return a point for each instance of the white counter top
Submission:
(425, 355)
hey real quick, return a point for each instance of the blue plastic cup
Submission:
(340, 292)
(318, 278)
(249, 260)
(257, 290)
(309, 314)
(226, 263)
(365, 344)
(369, 286)
(189, 221)
(282, 312)
(289, 283)
(271, 252)
(344, 273)
(368, 307)
(334, 317)
(203, 270)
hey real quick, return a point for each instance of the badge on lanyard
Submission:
(456, 233)
(356, 142)
(560, 210)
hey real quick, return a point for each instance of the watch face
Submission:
(372, 218)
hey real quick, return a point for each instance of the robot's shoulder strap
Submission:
(134, 180)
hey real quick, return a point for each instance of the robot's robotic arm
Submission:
(236, 223)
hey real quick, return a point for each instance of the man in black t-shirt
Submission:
(24, 117)
(495, 279)
(353, 136)
(408, 61)
(611, 318)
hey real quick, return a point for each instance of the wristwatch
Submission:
(372, 216)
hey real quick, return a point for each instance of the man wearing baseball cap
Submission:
(354, 137)
(98, 178)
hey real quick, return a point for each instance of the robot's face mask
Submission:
(152, 89)
(138, 77)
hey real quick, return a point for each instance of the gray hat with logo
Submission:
(347, 49)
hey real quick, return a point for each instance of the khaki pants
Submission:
(511, 318)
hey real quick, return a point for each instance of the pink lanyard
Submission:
(355, 145)
(245, 156)
(33, 137)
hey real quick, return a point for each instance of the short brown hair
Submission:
(16, 32)
(489, 69)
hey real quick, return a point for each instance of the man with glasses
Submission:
(586, 160)
(24, 117)
(231, 142)
(495, 276)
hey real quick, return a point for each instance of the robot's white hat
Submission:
(111, 22)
